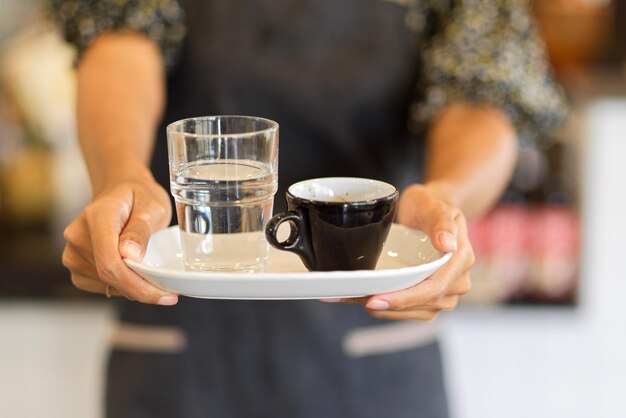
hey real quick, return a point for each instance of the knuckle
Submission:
(90, 210)
(133, 234)
(470, 255)
(144, 296)
(455, 212)
(424, 315)
(421, 315)
(461, 220)
(159, 214)
(133, 294)
(137, 228)
(139, 291)
(401, 304)
(74, 232)
(107, 270)
(78, 281)
(442, 219)
(433, 292)
(451, 304)
(69, 233)
(431, 316)
(447, 212)
(145, 217)
(439, 291)
(436, 300)
(67, 258)
(161, 211)
(466, 286)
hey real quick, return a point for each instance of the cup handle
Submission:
(297, 242)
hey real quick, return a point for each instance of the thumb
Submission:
(143, 221)
(419, 209)
(444, 240)
(442, 229)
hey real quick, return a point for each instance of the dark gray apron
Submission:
(338, 76)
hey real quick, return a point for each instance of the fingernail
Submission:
(331, 300)
(377, 305)
(131, 249)
(168, 300)
(447, 241)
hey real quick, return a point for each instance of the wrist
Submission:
(119, 172)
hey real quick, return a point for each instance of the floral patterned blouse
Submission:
(479, 51)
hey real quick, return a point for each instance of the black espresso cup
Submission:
(337, 223)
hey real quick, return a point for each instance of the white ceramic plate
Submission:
(408, 258)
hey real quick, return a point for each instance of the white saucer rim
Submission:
(295, 275)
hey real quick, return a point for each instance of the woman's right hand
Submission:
(117, 224)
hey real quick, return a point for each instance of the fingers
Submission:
(415, 315)
(452, 278)
(106, 223)
(84, 275)
(94, 254)
(146, 217)
(424, 313)
(77, 238)
(91, 285)
(441, 291)
(448, 303)
(76, 262)
(429, 294)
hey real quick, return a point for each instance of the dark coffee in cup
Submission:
(337, 223)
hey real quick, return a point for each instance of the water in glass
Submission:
(223, 207)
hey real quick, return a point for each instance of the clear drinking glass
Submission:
(223, 176)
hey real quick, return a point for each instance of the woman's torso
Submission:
(338, 77)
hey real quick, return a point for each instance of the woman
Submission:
(340, 77)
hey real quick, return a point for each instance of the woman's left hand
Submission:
(421, 208)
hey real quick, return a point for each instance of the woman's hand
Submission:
(116, 225)
(421, 207)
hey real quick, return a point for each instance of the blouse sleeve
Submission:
(488, 52)
(81, 21)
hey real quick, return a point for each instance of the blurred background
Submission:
(542, 333)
